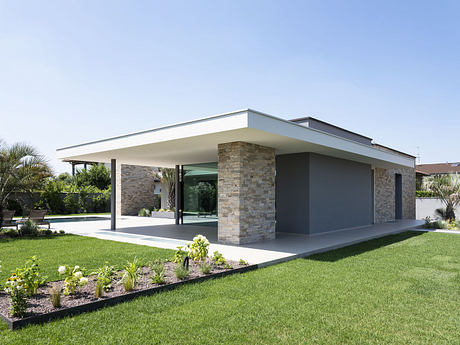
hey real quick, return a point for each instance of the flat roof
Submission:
(305, 119)
(196, 142)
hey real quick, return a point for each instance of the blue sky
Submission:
(73, 71)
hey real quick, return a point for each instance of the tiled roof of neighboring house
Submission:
(439, 168)
(420, 172)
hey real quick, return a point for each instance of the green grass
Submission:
(87, 252)
(71, 215)
(401, 289)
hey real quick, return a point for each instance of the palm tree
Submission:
(168, 178)
(447, 189)
(22, 169)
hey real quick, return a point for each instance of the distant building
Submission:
(424, 170)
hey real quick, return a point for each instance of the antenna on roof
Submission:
(418, 155)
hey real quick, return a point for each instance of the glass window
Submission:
(200, 194)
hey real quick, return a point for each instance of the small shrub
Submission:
(10, 232)
(243, 262)
(74, 278)
(99, 288)
(29, 228)
(205, 267)
(55, 295)
(158, 269)
(227, 266)
(180, 254)
(45, 232)
(452, 224)
(198, 248)
(218, 258)
(181, 272)
(440, 224)
(30, 276)
(14, 286)
(424, 194)
(144, 212)
(62, 232)
(104, 274)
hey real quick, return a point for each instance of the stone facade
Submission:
(135, 188)
(384, 193)
(246, 188)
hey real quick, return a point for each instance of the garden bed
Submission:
(41, 310)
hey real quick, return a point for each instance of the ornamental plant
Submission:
(104, 274)
(74, 278)
(131, 274)
(29, 228)
(14, 286)
(158, 269)
(30, 276)
(144, 212)
(180, 254)
(218, 258)
(198, 248)
(181, 272)
(205, 267)
(99, 288)
(55, 295)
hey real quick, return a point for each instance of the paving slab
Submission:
(163, 233)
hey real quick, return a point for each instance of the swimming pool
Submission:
(75, 219)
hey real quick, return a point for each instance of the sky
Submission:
(75, 71)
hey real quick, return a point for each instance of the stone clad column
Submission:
(384, 193)
(246, 187)
(135, 188)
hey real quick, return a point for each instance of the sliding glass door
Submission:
(200, 194)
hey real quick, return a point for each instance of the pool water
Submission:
(75, 219)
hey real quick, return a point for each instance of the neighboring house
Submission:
(424, 170)
(254, 174)
(425, 207)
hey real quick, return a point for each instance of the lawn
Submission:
(72, 215)
(401, 289)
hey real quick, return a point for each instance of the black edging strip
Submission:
(15, 324)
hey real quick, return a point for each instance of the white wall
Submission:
(425, 207)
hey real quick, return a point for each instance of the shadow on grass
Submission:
(359, 248)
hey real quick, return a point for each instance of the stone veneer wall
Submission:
(246, 187)
(384, 191)
(135, 188)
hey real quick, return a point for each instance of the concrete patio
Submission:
(164, 233)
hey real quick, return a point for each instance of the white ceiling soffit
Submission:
(196, 142)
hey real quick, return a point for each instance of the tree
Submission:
(22, 169)
(98, 176)
(168, 178)
(447, 189)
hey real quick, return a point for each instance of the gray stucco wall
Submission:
(292, 192)
(316, 193)
(340, 194)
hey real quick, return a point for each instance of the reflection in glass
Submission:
(200, 193)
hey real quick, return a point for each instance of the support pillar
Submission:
(113, 195)
(177, 195)
(246, 193)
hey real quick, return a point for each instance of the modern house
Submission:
(253, 175)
